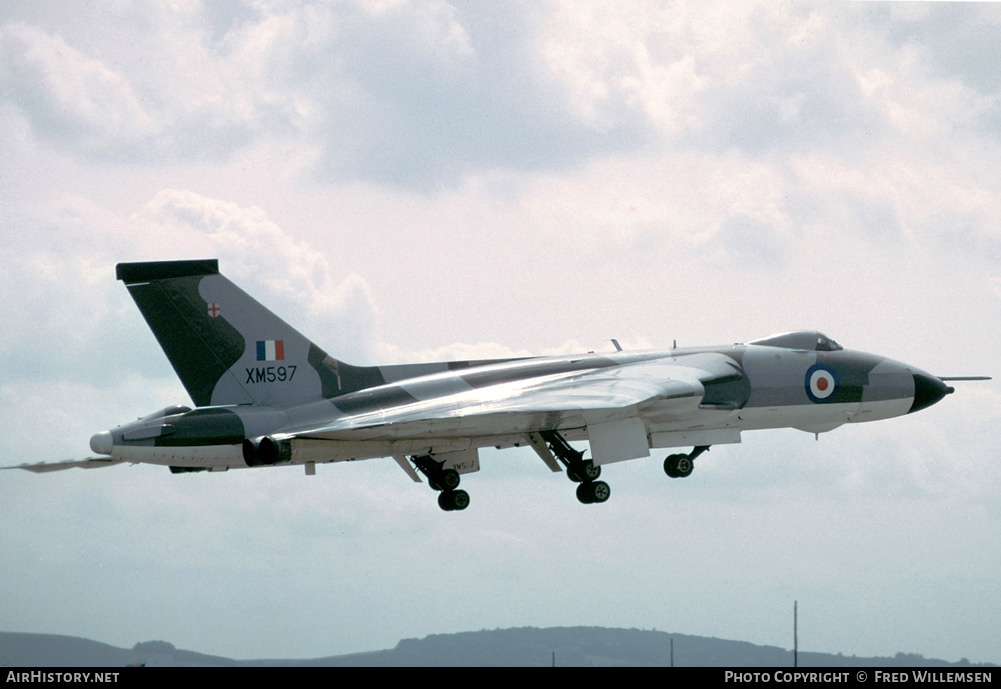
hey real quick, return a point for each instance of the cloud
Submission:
(954, 43)
(408, 94)
(120, 103)
(70, 97)
(295, 280)
(421, 95)
(62, 290)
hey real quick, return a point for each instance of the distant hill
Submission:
(525, 646)
(55, 650)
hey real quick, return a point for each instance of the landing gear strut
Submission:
(579, 470)
(680, 466)
(444, 480)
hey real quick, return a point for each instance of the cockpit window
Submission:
(810, 340)
(826, 344)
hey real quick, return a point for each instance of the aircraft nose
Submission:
(927, 391)
(101, 443)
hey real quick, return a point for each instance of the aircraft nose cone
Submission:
(927, 391)
(101, 443)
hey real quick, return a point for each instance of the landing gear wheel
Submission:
(593, 492)
(450, 500)
(578, 470)
(450, 479)
(678, 466)
(439, 478)
(669, 463)
(587, 468)
(685, 467)
(590, 470)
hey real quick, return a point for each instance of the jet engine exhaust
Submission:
(266, 451)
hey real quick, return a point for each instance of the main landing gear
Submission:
(444, 480)
(579, 470)
(680, 466)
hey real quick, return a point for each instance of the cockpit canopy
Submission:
(810, 340)
(166, 411)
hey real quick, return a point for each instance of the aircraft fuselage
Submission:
(265, 395)
(770, 387)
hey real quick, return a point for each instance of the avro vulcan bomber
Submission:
(265, 396)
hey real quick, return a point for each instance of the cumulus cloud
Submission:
(172, 98)
(287, 274)
(71, 97)
(411, 94)
(63, 289)
(423, 94)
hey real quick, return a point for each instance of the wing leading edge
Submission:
(609, 402)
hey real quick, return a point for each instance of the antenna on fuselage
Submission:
(618, 347)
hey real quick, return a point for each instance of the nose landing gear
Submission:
(680, 466)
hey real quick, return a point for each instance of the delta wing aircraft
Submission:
(265, 396)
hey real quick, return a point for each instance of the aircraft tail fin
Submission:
(225, 346)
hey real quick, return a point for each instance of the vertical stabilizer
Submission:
(225, 346)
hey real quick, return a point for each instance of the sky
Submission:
(418, 181)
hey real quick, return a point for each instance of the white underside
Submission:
(712, 428)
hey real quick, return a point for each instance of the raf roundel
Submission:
(821, 384)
